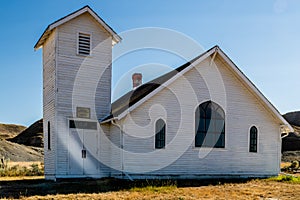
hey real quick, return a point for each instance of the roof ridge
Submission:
(133, 96)
(129, 99)
(49, 28)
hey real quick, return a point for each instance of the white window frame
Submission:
(225, 148)
(166, 128)
(257, 142)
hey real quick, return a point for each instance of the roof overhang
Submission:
(115, 37)
(285, 126)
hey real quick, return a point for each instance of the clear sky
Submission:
(261, 37)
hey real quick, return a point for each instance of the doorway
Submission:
(83, 152)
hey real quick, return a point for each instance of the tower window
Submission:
(49, 136)
(84, 44)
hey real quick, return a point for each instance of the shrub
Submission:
(291, 167)
(4, 163)
(286, 178)
(295, 165)
(36, 170)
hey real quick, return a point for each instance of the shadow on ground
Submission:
(41, 187)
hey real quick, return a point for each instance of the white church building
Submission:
(204, 119)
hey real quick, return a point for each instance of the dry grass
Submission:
(21, 169)
(10, 130)
(21, 178)
(284, 164)
(24, 164)
(256, 189)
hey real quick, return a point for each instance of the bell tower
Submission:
(77, 57)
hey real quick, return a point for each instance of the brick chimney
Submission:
(136, 80)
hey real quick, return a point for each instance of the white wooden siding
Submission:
(242, 110)
(115, 151)
(91, 92)
(49, 73)
(105, 151)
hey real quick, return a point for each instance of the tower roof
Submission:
(115, 37)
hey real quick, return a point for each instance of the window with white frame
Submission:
(253, 139)
(210, 125)
(160, 134)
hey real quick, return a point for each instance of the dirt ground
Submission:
(116, 189)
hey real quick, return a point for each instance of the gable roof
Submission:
(116, 38)
(135, 96)
(131, 100)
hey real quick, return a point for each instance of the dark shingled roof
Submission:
(134, 96)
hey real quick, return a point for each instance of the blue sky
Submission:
(261, 37)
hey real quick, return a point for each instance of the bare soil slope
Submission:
(20, 153)
(14, 151)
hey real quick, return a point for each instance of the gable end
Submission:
(115, 37)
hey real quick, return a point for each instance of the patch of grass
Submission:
(256, 189)
(285, 178)
(153, 189)
(21, 178)
(18, 170)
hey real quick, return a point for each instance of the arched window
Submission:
(160, 134)
(49, 136)
(253, 139)
(210, 125)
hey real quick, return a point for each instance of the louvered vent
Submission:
(84, 44)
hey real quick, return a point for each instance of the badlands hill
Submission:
(15, 151)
